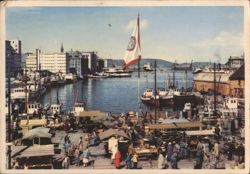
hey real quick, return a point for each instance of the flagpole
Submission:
(138, 81)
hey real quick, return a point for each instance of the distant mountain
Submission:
(160, 63)
(200, 64)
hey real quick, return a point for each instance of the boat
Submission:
(117, 72)
(78, 107)
(19, 93)
(70, 78)
(147, 96)
(197, 70)
(55, 108)
(98, 75)
(53, 80)
(147, 67)
(115, 75)
(33, 107)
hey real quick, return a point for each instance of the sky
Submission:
(170, 33)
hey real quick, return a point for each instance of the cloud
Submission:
(222, 39)
(221, 46)
(131, 24)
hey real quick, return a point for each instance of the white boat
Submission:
(19, 93)
(33, 107)
(98, 75)
(148, 67)
(55, 108)
(78, 107)
(70, 78)
(115, 75)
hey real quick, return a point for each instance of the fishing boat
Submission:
(78, 107)
(147, 67)
(19, 93)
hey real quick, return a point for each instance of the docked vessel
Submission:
(70, 78)
(147, 67)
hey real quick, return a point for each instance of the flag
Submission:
(133, 52)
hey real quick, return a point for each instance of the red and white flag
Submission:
(133, 52)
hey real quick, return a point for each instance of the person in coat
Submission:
(161, 160)
(86, 155)
(117, 159)
(128, 160)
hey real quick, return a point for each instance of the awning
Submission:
(162, 126)
(91, 114)
(200, 133)
(17, 149)
(174, 125)
(39, 132)
(112, 132)
(38, 150)
(33, 122)
(192, 124)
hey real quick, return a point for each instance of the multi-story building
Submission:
(234, 62)
(92, 60)
(13, 56)
(108, 63)
(75, 61)
(82, 63)
(53, 62)
(229, 81)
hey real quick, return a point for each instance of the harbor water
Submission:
(115, 95)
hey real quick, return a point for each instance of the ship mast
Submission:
(155, 92)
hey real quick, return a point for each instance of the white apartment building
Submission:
(53, 62)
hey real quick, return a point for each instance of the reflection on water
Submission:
(114, 95)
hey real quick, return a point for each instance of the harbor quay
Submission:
(195, 129)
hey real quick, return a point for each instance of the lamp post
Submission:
(9, 111)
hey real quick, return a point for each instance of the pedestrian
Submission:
(77, 156)
(66, 138)
(231, 150)
(113, 151)
(183, 150)
(173, 160)
(169, 151)
(198, 161)
(66, 162)
(117, 159)
(216, 149)
(80, 145)
(161, 159)
(86, 155)
(66, 147)
(134, 160)
(128, 160)
(221, 162)
(206, 161)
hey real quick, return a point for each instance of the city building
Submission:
(100, 65)
(13, 56)
(82, 63)
(237, 83)
(92, 61)
(108, 63)
(204, 81)
(235, 62)
(53, 62)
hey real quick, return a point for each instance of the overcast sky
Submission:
(170, 33)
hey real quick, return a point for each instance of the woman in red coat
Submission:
(117, 159)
